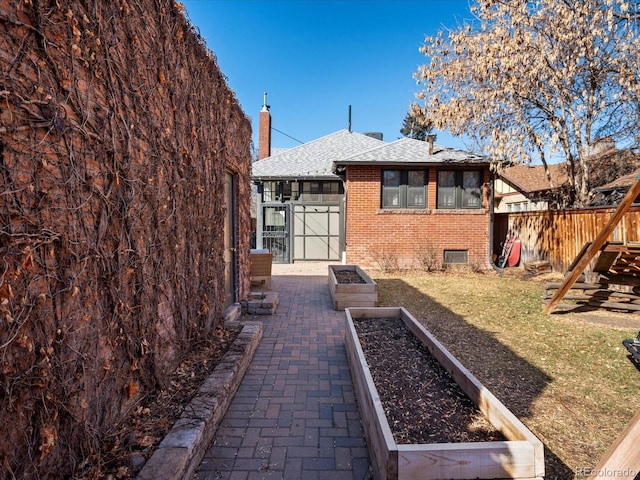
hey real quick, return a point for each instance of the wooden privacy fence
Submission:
(559, 236)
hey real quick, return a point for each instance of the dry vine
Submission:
(116, 128)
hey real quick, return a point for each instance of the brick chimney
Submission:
(264, 131)
(430, 139)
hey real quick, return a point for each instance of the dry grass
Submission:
(566, 376)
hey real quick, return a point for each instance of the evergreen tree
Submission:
(414, 127)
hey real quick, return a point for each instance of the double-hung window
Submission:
(404, 189)
(459, 189)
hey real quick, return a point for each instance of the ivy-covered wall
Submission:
(116, 130)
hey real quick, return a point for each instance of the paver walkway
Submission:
(295, 414)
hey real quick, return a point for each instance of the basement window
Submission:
(456, 257)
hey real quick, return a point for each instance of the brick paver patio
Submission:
(295, 414)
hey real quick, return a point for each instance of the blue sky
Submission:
(314, 58)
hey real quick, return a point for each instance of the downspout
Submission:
(492, 221)
(343, 211)
(343, 243)
(259, 213)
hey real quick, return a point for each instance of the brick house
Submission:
(354, 198)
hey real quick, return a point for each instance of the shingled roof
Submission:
(613, 192)
(623, 182)
(611, 165)
(412, 151)
(605, 165)
(313, 160)
(318, 159)
(531, 179)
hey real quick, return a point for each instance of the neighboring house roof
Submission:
(313, 160)
(612, 164)
(407, 151)
(530, 179)
(623, 182)
(613, 192)
(609, 163)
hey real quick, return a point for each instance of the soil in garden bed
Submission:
(348, 276)
(422, 402)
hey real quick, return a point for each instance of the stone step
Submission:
(261, 303)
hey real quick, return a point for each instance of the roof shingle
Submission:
(532, 178)
(409, 150)
(316, 159)
(313, 159)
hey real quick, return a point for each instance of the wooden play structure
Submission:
(633, 347)
(613, 281)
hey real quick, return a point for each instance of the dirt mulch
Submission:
(422, 402)
(348, 276)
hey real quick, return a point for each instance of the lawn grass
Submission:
(566, 376)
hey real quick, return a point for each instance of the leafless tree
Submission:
(537, 79)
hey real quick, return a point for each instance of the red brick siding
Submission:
(373, 232)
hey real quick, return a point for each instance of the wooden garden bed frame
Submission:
(346, 295)
(521, 456)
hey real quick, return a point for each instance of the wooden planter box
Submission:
(521, 456)
(260, 261)
(352, 294)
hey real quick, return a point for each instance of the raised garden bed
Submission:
(457, 454)
(357, 289)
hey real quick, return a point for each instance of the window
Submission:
(404, 189)
(270, 191)
(327, 192)
(459, 189)
(456, 256)
(279, 191)
(517, 207)
(310, 191)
